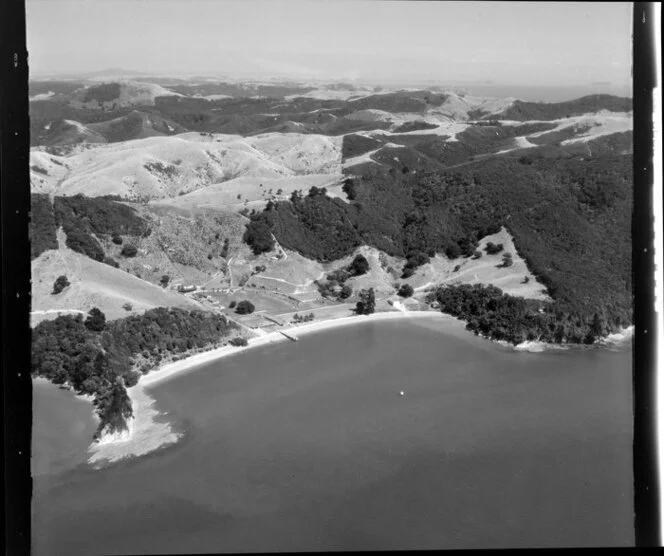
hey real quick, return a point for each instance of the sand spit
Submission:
(148, 431)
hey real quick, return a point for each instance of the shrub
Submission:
(60, 284)
(111, 262)
(346, 292)
(164, 280)
(406, 290)
(238, 342)
(127, 306)
(245, 307)
(129, 251)
(232, 304)
(117, 239)
(477, 254)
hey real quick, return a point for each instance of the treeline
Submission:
(570, 219)
(496, 315)
(102, 358)
(42, 225)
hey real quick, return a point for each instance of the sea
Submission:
(404, 434)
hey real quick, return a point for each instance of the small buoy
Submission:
(401, 393)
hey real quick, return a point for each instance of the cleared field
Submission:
(94, 284)
(485, 270)
(252, 192)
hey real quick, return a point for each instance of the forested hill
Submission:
(570, 219)
(525, 111)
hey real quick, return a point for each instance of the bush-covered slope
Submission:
(570, 219)
(42, 225)
(523, 111)
(82, 218)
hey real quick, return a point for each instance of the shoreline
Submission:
(146, 434)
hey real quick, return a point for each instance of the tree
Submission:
(245, 307)
(359, 266)
(367, 303)
(117, 239)
(232, 304)
(346, 292)
(525, 280)
(350, 189)
(258, 236)
(60, 284)
(477, 254)
(129, 251)
(127, 306)
(406, 290)
(491, 248)
(96, 321)
(453, 251)
(165, 279)
(507, 260)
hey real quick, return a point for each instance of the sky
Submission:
(519, 43)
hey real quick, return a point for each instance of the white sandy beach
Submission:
(147, 434)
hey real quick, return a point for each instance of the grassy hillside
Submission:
(94, 284)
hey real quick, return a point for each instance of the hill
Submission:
(523, 111)
(162, 167)
(580, 251)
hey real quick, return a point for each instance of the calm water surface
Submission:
(309, 446)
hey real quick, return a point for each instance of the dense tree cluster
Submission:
(245, 307)
(42, 225)
(405, 290)
(494, 314)
(98, 358)
(105, 92)
(129, 250)
(491, 248)
(367, 303)
(85, 219)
